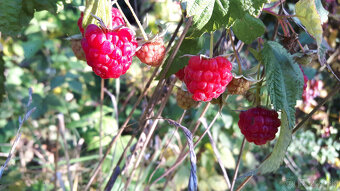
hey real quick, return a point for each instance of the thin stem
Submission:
(211, 50)
(62, 133)
(56, 158)
(101, 119)
(238, 164)
(137, 20)
(292, 29)
(235, 52)
(244, 183)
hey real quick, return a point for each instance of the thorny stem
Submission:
(269, 11)
(235, 52)
(244, 183)
(238, 164)
(137, 20)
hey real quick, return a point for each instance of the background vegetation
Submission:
(63, 131)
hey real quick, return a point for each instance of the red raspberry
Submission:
(184, 100)
(207, 78)
(152, 53)
(109, 53)
(180, 74)
(259, 125)
(117, 19)
(238, 86)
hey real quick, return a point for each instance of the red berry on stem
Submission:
(259, 125)
(152, 53)
(109, 53)
(207, 78)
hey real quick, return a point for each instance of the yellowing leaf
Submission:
(309, 17)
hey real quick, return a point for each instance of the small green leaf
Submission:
(99, 8)
(57, 81)
(248, 28)
(284, 78)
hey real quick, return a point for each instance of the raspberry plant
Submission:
(251, 58)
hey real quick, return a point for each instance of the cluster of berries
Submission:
(109, 51)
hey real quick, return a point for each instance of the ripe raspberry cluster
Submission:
(152, 53)
(109, 53)
(184, 100)
(207, 78)
(259, 124)
(238, 86)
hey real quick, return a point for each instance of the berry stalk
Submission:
(235, 52)
(137, 20)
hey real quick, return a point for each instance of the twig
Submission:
(122, 13)
(56, 158)
(62, 133)
(218, 156)
(150, 133)
(244, 183)
(238, 164)
(295, 173)
(166, 146)
(18, 136)
(122, 107)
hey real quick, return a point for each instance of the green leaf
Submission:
(275, 159)
(248, 28)
(220, 13)
(284, 79)
(75, 86)
(57, 81)
(16, 14)
(309, 17)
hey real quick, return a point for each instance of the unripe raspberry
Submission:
(184, 100)
(259, 125)
(152, 53)
(207, 78)
(109, 53)
(77, 49)
(238, 86)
